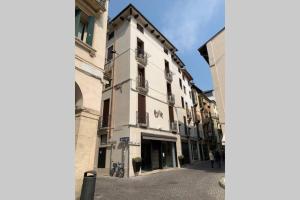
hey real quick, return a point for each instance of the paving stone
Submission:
(197, 181)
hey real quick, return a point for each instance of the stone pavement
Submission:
(197, 181)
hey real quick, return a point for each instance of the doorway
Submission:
(101, 157)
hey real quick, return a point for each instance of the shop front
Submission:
(158, 152)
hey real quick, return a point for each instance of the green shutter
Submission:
(90, 30)
(77, 21)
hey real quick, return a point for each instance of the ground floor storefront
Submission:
(157, 154)
(157, 151)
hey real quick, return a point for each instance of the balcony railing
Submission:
(97, 4)
(104, 122)
(169, 76)
(108, 69)
(189, 114)
(173, 126)
(142, 85)
(141, 56)
(171, 99)
(142, 119)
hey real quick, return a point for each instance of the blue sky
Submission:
(187, 24)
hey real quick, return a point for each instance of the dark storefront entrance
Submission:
(158, 154)
(185, 152)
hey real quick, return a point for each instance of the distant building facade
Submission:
(213, 51)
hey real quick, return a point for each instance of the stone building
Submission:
(90, 41)
(213, 51)
(147, 102)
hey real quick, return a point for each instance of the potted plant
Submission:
(180, 158)
(137, 162)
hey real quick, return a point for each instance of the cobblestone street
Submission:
(197, 181)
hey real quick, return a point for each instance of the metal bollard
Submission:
(88, 186)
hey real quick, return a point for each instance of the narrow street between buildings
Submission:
(197, 181)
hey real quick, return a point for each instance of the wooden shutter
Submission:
(141, 72)
(169, 89)
(141, 108)
(185, 128)
(171, 114)
(77, 21)
(105, 113)
(90, 30)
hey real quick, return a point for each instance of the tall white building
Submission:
(147, 102)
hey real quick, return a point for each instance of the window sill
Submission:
(85, 46)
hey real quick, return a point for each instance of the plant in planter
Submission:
(137, 162)
(180, 158)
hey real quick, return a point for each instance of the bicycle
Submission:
(117, 170)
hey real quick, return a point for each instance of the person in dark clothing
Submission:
(218, 158)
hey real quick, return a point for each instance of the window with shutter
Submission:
(90, 30)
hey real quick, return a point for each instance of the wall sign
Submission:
(158, 113)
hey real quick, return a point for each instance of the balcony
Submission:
(171, 99)
(142, 85)
(108, 69)
(141, 56)
(142, 119)
(169, 76)
(173, 127)
(96, 5)
(104, 122)
(189, 114)
(197, 117)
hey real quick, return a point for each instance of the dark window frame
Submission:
(111, 35)
(110, 54)
(182, 102)
(180, 83)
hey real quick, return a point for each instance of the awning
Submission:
(148, 136)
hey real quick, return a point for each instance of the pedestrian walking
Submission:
(211, 158)
(218, 158)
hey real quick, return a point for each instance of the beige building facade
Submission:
(146, 103)
(213, 51)
(90, 41)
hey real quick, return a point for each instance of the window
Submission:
(182, 102)
(184, 90)
(103, 139)
(167, 66)
(110, 53)
(179, 70)
(140, 47)
(183, 78)
(111, 35)
(180, 83)
(190, 94)
(140, 28)
(82, 23)
(166, 50)
(84, 26)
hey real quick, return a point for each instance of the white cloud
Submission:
(184, 19)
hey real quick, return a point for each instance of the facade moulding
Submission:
(87, 112)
